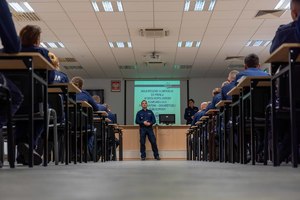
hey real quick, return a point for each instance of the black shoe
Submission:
(157, 158)
(23, 150)
(143, 158)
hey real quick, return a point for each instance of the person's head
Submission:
(295, 9)
(191, 103)
(78, 81)
(54, 60)
(30, 35)
(216, 91)
(251, 61)
(203, 105)
(232, 75)
(144, 104)
(97, 98)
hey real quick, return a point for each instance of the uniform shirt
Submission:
(249, 72)
(197, 117)
(145, 115)
(102, 107)
(112, 117)
(9, 38)
(225, 90)
(44, 52)
(288, 33)
(85, 96)
(215, 100)
(188, 113)
(58, 77)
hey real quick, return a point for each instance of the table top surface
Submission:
(223, 103)
(281, 55)
(56, 88)
(38, 61)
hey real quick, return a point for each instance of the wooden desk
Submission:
(262, 81)
(212, 111)
(171, 141)
(222, 103)
(234, 91)
(286, 54)
(62, 87)
(29, 64)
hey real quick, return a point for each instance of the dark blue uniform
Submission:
(288, 33)
(197, 117)
(85, 96)
(249, 72)
(215, 100)
(102, 107)
(225, 90)
(188, 113)
(11, 44)
(44, 52)
(58, 77)
(141, 116)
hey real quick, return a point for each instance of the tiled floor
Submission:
(150, 180)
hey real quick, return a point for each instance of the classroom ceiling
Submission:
(222, 32)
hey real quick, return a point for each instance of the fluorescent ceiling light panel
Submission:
(187, 5)
(120, 6)
(21, 7)
(95, 6)
(211, 5)
(53, 45)
(258, 43)
(199, 5)
(179, 44)
(188, 43)
(282, 4)
(107, 6)
(129, 44)
(120, 44)
(198, 44)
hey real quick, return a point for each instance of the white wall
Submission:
(199, 89)
(114, 99)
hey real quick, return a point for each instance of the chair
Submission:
(5, 101)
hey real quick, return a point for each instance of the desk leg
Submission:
(293, 117)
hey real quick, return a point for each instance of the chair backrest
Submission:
(55, 101)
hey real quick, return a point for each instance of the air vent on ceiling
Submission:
(73, 67)
(269, 14)
(233, 58)
(67, 60)
(154, 32)
(127, 67)
(235, 66)
(26, 16)
(182, 66)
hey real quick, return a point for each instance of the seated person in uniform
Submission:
(200, 113)
(59, 76)
(229, 86)
(11, 44)
(288, 33)
(102, 107)
(30, 39)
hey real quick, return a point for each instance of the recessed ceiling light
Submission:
(107, 6)
(258, 43)
(119, 44)
(189, 44)
(21, 7)
(282, 4)
(53, 45)
(199, 5)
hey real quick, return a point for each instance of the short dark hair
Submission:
(252, 60)
(30, 35)
(192, 100)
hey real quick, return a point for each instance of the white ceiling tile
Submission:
(163, 6)
(137, 6)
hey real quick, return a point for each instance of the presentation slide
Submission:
(163, 97)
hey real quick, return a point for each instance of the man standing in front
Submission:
(145, 118)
